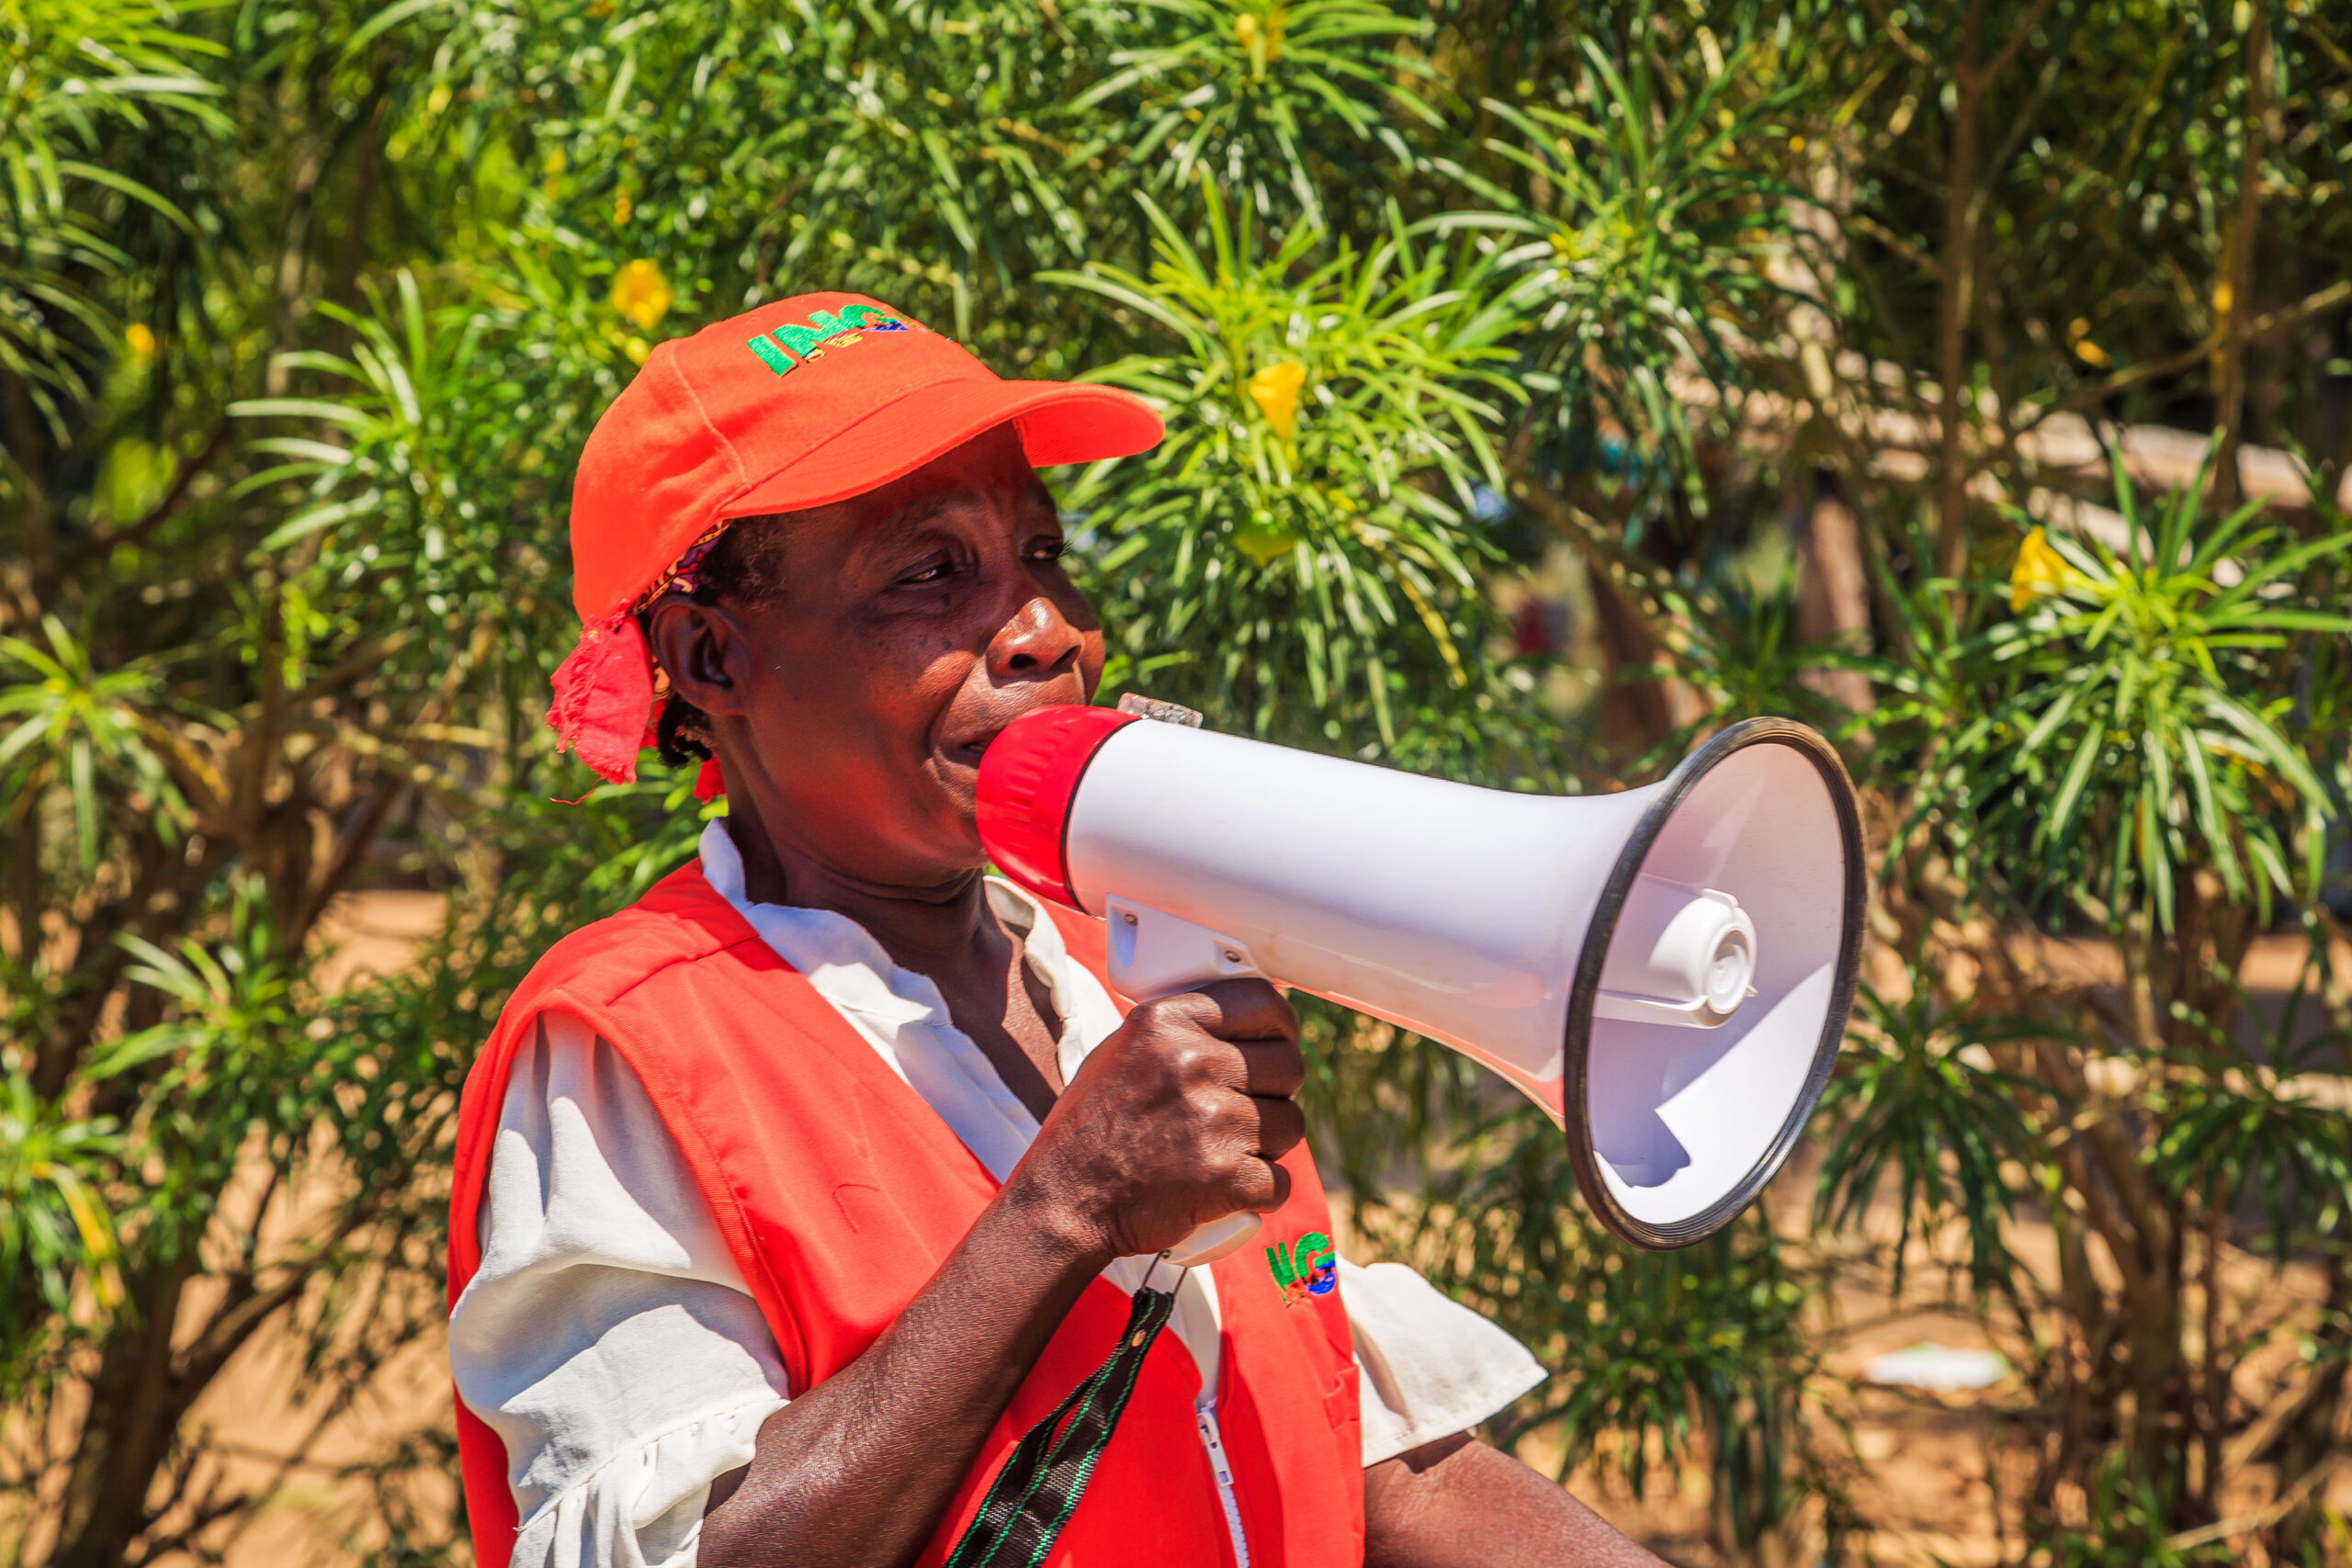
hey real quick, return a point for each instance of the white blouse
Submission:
(610, 1342)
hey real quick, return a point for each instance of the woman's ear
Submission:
(702, 649)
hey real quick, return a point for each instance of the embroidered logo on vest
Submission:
(791, 345)
(1304, 1267)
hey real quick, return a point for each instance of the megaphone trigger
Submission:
(1218, 1238)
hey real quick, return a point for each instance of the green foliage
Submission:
(56, 1230)
(1299, 552)
(81, 77)
(2265, 1128)
(2116, 743)
(305, 312)
(2129, 1510)
(2131, 738)
(1263, 94)
(69, 723)
(1690, 1359)
(1919, 1105)
(1744, 654)
(1638, 238)
(229, 1062)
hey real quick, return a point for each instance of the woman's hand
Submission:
(1175, 1121)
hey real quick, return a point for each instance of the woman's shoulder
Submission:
(679, 921)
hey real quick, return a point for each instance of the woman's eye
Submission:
(1047, 549)
(935, 572)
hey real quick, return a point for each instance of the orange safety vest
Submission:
(840, 1193)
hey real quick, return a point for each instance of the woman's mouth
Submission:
(968, 751)
(980, 728)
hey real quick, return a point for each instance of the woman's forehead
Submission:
(976, 495)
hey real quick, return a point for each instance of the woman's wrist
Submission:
(1054, 1223)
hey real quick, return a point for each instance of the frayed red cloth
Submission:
(604, 705)
(603, 697)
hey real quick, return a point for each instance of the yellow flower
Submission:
(621, 210)
(1265, 538)
(140, 339)
(641, 293)
(1274, 388)
(2079, 339)
(2041, 570)
(1246, 30)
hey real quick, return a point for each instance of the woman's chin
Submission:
(956, 778)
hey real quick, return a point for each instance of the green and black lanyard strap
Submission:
(1040, 1485)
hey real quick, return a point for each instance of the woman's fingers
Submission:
(1260, 1028)
(1236, 1010)
(1259, 1186)
(1268, 1068)
(1281, 1127)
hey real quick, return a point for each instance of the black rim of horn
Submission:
(1577, 1045)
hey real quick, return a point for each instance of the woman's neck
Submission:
(947, 926)
(945, 931)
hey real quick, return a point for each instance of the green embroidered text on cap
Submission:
(806, 342)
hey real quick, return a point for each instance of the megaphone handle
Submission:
(1153, 953)
(1218, 1238)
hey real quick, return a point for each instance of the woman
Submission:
(790, 1199)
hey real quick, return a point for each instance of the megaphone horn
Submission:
(1665, 971)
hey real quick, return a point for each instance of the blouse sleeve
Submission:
(1427, 1366)
(608, 1338)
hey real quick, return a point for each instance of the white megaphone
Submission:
(1665, 971)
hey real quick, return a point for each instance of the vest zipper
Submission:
(1215, 1444)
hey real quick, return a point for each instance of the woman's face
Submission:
(908, 626)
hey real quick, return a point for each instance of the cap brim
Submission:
(1060, 422)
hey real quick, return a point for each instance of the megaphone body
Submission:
(1664, 971)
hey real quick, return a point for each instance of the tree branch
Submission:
(2018, 37)
(161, 513)
(2261, 1518)
(2326, 299)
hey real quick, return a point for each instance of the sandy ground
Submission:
(1935, 1474)
(1939, 1476)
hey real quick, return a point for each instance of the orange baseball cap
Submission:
(800, 403)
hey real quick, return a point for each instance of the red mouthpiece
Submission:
(1029, 776)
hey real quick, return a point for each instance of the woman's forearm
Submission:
(1458, 1503)
(857, 1472)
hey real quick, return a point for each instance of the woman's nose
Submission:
(1036, 640)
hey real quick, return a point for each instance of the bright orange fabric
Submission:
(840, 1192)
(710, 428)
